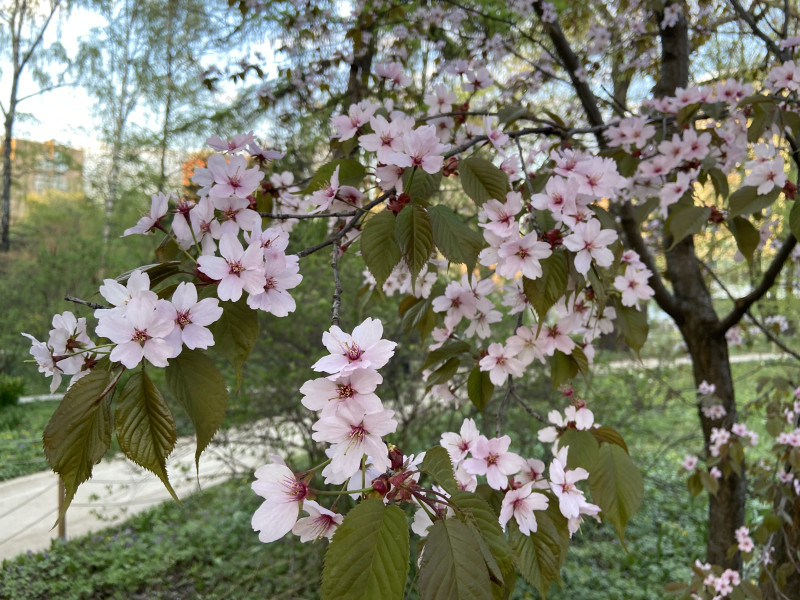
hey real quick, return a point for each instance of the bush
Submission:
(11, 388)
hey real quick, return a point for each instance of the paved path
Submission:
(119, 489)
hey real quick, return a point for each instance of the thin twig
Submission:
(280, 216)
(93, 305)
(337, 290)
(536, 415)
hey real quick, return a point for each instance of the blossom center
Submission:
(235, 267)
(346, 391)
(183, 319)
(357, 434)
(296, 490)
(140, 336)
(492, 459)
(354, 352)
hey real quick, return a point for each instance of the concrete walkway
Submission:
(119, 489)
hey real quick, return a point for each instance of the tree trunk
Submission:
(162, 175)
(697, 323)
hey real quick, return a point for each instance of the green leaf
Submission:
(368, 555)
(643, 210)
(746, 200)
(545, 291)
(437, 464)
(79, 432)
(379, 246)
(479, 388)
(539, 557)
(746, 235)
(633, 325)
(695, 484)
(457, 242)
(720, 182)
(583, 448)
(444, 373)
(446, 351)
(482, 181)
(419, 315)
(607, 435)
(423, 186)
(794, 219)
(145, 427)
(414, 237)
(709, 483)
(351, 172)
(616, 486)
(235, 333)
(476, 510)
(453, 567)
(762, 117)
(562, 368)
(157, 272)
(686, 221)
(509, 114)
(200, 389)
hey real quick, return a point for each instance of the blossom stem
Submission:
(340, 492)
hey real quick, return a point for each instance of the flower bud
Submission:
(396, 457)
(381, 484)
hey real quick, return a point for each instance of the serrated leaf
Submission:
(157, 272)
(746, 235)
(643, 210)
(235, 333)
(437, 464)
(476, 510)
(616, 486)
(545, 291)
(794, 219)
(351, 172)
(379, 246)
(583, 448)
(608, 435)
(457, 242)
(444, 373)
(446, 351)
(423, 186)
(200, 389)
(79, 432)
(509, 114)
(747, 200)
(452, 566)
(694, 484)
(539, 557)
(479, 388)
(482, 181)
(632, 324)
(368, 555)
(145, 427)
(414, 237)
(419, 315)
(686, 221)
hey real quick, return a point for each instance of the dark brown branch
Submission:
(782, 54)
(337, 289)
(279, 216)
(742, 305)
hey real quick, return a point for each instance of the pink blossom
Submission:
(239, 142)
(491, 457)
(283, 495)
(192, 318)
(236, 270)
(501, 364)
(158, 208)
(232, 177)
(356, 391)
(320, 522)
(421, 148)
(589, 241)
(364, 349)
(521, 504)
(458, 445)
(562, 483)
(139, 332)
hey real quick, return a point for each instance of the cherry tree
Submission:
(529, 178)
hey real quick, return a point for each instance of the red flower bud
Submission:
(381, 485)
(396, 457)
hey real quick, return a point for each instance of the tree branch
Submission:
(782, 54)
(742, 305)
(93, 305)
(337, 290)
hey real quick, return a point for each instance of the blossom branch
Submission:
(748, 18)
(93, 305)
(337, 290)
(283, 217)
(742, 305)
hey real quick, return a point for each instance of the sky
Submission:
(65, 114)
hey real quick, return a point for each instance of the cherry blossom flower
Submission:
(45, 360)
(320, 522)
(590, 241)
(364, 349)
(522, 255)
(118, 295)
(386, 137)
(281, 275)
(562, 483)
(491, 457)
(139, 332)
(192, 318)
(421, 148)
(283, 496)
(237, 270)
(501, 216)
(521, 504)
(239, 142)
(500, 363)
(357, 115)
(354, 434)
(633, 285)
(459, 444)
(356, 391)
(158, 208)
(232, 177)
(689, 462)
(393, 71)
